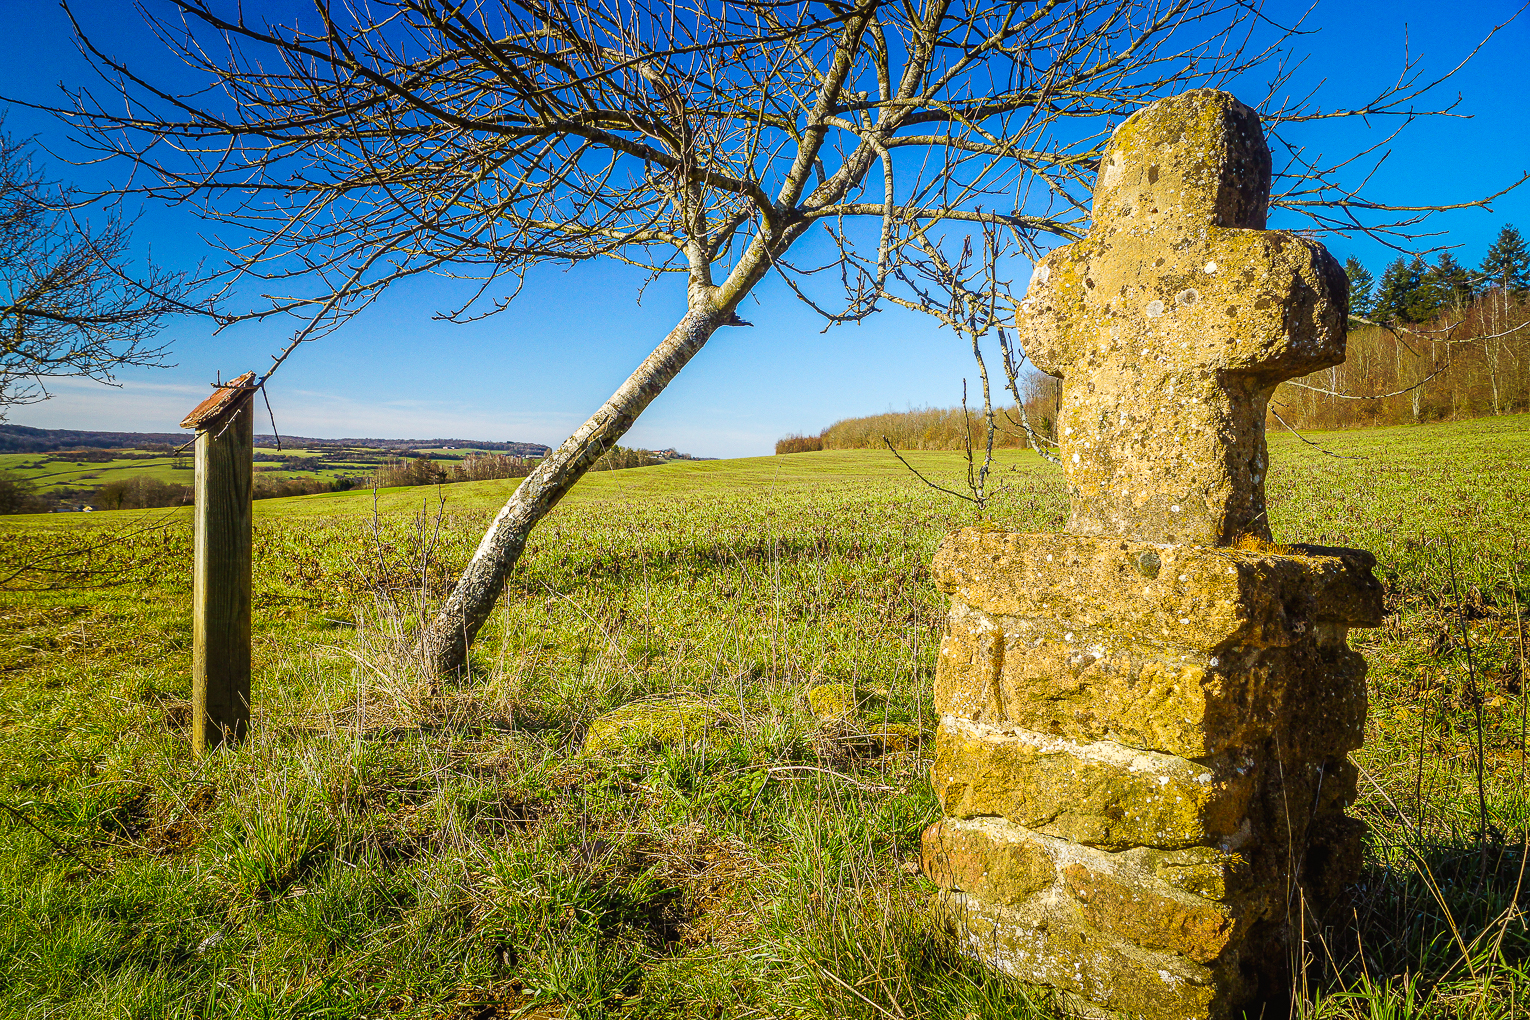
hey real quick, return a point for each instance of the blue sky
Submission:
(533, 373)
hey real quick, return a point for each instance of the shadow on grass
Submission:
(1434, 927)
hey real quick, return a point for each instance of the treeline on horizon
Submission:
(1443, 342)
(939, 428)
(142, 493)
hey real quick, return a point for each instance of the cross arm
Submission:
(1267, 303)
(1053, 319)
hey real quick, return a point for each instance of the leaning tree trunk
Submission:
(444, 644)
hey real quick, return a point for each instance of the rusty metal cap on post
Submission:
(223, 400)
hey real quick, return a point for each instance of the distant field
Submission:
(385, 846)
(51, 472)
(55, 472)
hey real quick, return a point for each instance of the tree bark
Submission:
(444, 644)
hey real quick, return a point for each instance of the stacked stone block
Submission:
(1142, 761)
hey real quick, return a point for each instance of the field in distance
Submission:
(102, 478)
(75, 470)
(385, 845)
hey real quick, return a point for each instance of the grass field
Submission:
(50, 473)
(68, 471)
(385, 847)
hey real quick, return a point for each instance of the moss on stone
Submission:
(647, 724)
(982, 862)
(1190, 925)
(1044, 945)
(833, 701)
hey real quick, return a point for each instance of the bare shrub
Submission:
(483, 467)
(276, 488)
(1470, 364)
(795, 443)
(420, 471)
(924, 428)
(17, 496)
(140, 493)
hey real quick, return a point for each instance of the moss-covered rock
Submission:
(1047, 943)
(833, 701)
(647, 724)
(1190, 925)
(1095, 682)
(1193, 598)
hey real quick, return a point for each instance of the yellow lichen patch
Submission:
(832, 701)
(648, 724)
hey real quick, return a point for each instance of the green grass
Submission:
(52, 472)
(383, 846)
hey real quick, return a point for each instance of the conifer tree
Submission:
(1361, 283)
(1395, 297)
(1453, 282)
(1507, 263)
(1426, 298)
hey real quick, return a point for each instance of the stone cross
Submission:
(1173, 321)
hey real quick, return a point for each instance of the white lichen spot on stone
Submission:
(1154, 309)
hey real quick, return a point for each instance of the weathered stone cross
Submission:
(1173, 321)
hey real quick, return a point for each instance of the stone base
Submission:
(1142, 760)
(1181, 649)
(1042, 944)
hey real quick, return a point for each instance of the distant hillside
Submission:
(514, 449)
(21, 439)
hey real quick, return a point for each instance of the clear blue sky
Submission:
(536, 371)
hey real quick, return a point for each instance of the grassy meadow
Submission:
(76, 471)
(385, 847)
(51, 473)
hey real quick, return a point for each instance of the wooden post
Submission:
(220, 628)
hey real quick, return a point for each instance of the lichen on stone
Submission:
(649, 724)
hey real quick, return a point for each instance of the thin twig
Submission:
(1318, 446)
(43, 832)
(858, 784)
(942, 488)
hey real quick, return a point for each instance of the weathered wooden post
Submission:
(220, 656)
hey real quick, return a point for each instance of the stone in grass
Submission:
(652, 724)
(846, 740)
(833, 701)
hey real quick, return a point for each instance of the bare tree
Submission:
(724, 142)
(69, 305)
